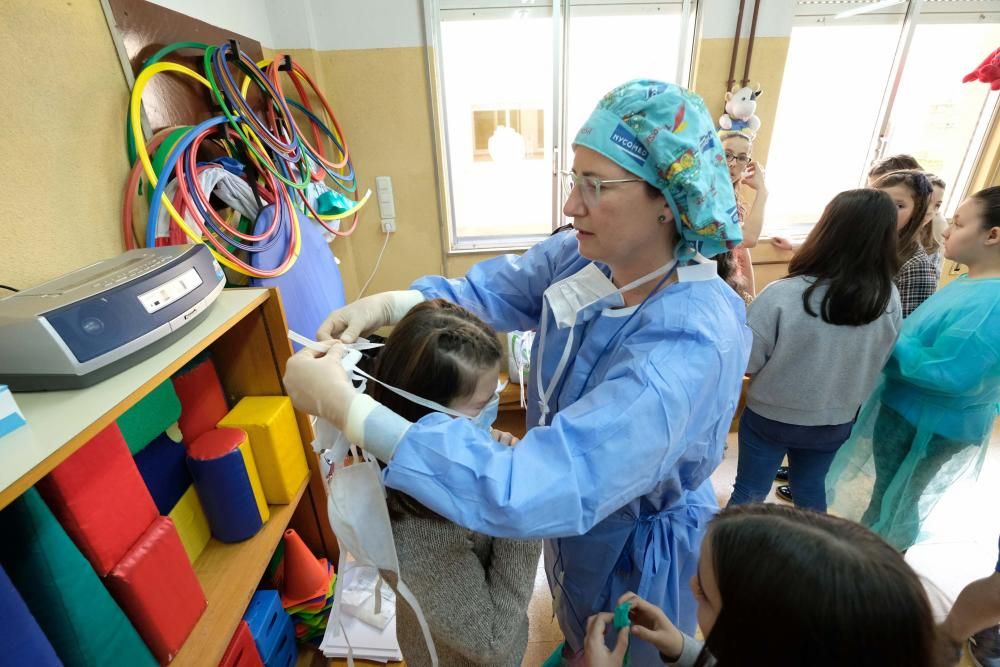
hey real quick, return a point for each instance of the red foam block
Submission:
(242, 651)
(156, 586)
(100, 499)
(203, 404)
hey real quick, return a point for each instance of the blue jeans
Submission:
(764, 443)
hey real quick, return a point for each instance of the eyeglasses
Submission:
(742, 159)
(590, 186)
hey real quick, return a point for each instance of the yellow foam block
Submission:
(276, 443)
(192, 526)
(258, 492)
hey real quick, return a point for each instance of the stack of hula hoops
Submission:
(279, 165)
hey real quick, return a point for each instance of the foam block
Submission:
(100, 498)
(203, 402)
(163, 466)
(82, 622)
(156, 586)
(241, 652)
(191, 523)
(150, 417)
(22, 642)
(222, 465)
(269, 421)
(269, 624)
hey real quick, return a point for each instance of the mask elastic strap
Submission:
(361, 344)
(419, 400)
(663, 270)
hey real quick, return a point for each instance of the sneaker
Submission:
(782, 474)
(784, 492)
(984, 646)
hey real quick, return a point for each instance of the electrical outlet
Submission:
(389, 225)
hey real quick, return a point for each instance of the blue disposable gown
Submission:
(619, 480)
(930, 417)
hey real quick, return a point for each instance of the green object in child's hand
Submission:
(622, 621)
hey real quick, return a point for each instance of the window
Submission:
(516, 80)
(873, 85)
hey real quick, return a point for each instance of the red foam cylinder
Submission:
(203, 404)
(242, 651)
(156, 586)
(100, 499)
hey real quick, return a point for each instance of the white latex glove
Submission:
(368, 314)
(504, 438)
(318, 384)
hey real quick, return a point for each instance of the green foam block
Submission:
(78, 615)
(151, 416)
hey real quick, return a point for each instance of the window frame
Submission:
(560, 12)
(910, 15)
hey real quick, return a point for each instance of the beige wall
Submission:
(711, 73)
(63, 165)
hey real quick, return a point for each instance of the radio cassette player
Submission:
(90, 324)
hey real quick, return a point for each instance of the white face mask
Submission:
(574, 300)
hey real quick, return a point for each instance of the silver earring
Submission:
(662, 218)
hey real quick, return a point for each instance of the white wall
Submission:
(774, 18)
(247, 17)
(324, 25)
(332, 25)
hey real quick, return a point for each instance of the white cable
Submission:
(378, 263)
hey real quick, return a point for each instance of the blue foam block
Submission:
(312, 288)
(270, 625)
(163, 467)
(22, 642)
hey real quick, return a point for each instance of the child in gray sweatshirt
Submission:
(473, 589)
(821, 336)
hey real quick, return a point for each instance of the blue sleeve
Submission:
(618, 442)
(506, 292)
(959, 359)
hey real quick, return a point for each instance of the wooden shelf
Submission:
(60, 422)
(229, 574)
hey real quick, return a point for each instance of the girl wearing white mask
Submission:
(635, 373)
(474, 589)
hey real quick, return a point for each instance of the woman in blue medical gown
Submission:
(636, 369)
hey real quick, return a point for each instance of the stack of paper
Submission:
(350, 634)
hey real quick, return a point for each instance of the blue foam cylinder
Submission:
(224, 473)
(22, 642)
(163, 467)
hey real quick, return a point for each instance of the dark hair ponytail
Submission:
(989, 200)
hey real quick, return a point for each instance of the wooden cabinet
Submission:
(246, 332)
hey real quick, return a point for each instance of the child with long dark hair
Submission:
(847, 598)
(821, 336)
(929, 420)
(474, 589)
